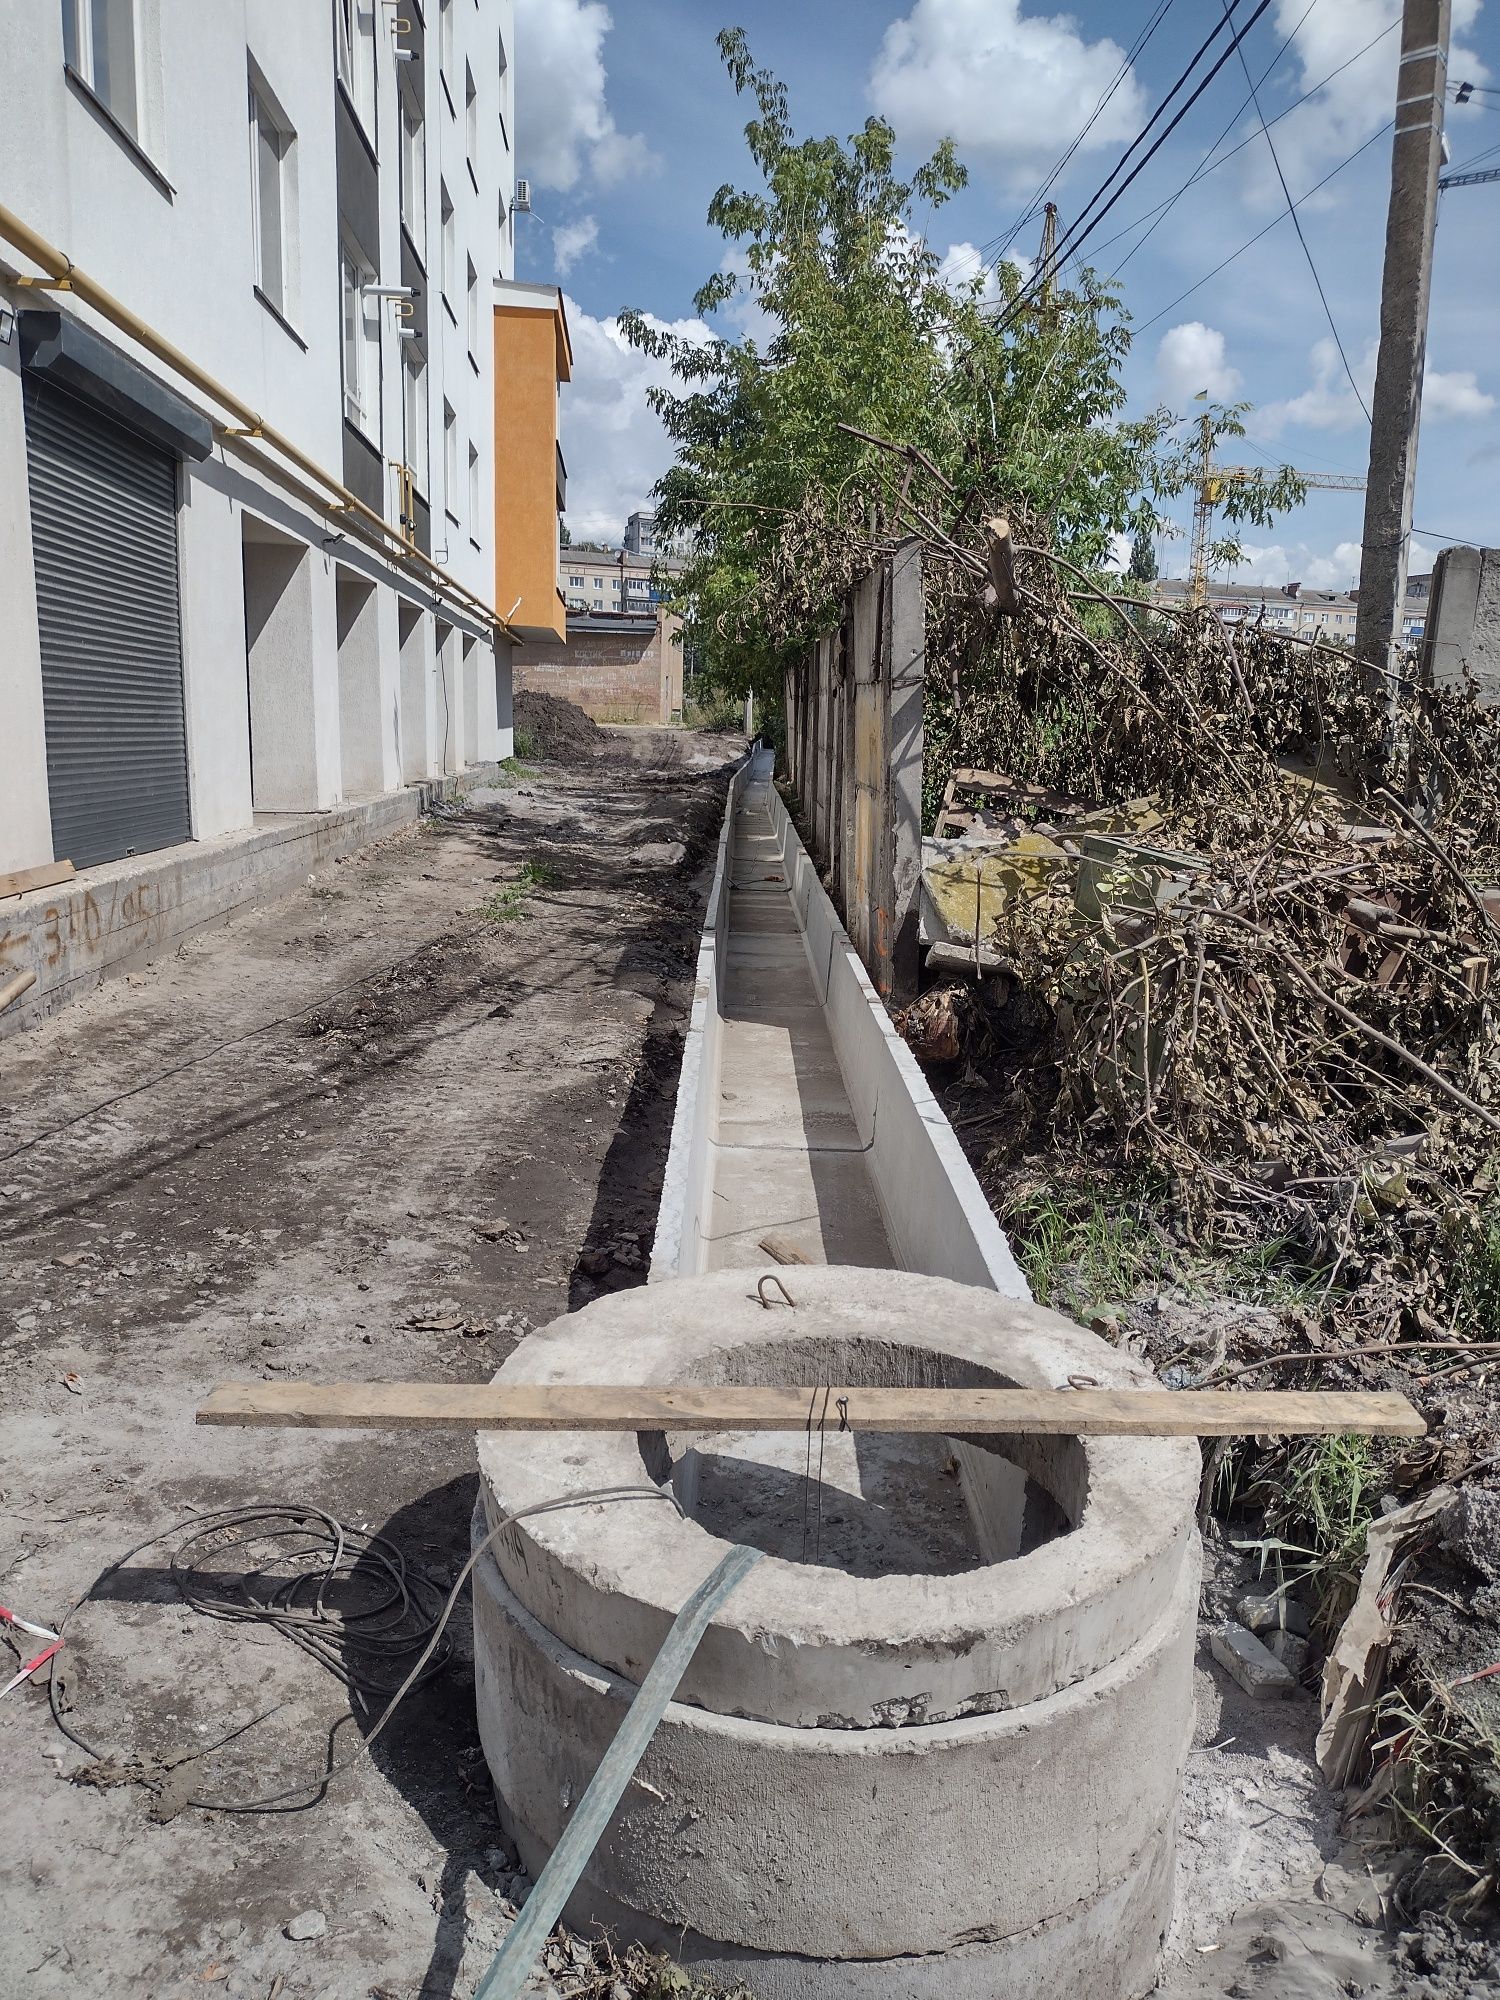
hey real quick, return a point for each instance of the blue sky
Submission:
(626, 125)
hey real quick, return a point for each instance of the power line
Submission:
(1208, 165)
(1132, 55)
(1081, 230)
(1291, 209)
(1272, 224)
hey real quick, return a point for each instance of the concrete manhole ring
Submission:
(916, 1637)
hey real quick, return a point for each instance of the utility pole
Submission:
(1416, 158)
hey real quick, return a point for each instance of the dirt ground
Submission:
(369, 1129)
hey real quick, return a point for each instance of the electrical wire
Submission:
(274, 1593)
(1250, 242)
(1080, 231)
(1132, 54)
(1156, 216)
(1291, 209)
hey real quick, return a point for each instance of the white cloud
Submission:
(572, 240)
(999, 82)
(1357, 102)
(613, 441)
(1121, 548)
(564, 128)
(1269, 565)
(1193, 360)
(1455, 393)
(1330, 404)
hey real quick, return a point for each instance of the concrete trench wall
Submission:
(934, 1213)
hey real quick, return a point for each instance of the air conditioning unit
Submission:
(521, 201)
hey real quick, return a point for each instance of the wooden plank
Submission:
(590, 1406)
(24, 880)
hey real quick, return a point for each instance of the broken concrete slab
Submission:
(1253, 1665)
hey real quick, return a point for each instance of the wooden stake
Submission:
(526, 1406)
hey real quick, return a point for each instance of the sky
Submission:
(627, 124)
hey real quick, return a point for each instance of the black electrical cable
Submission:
(1080, 231)
(1208, 165)
(1181, 83)
(363, 1648)
(1250, 242)
(1291, 209)
(1132, 54)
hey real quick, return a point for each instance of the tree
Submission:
(1009, 400)
(564, 535)
(1142, 557)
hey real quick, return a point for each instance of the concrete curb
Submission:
(74, 935)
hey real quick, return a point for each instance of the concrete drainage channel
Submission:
(933, 1743)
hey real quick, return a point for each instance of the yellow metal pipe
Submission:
(64, 274)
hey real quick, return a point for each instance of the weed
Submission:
(1477, 1291)
(1080, 1250)
(1273, 1273)
(515, 767)
(1317, 1498)
(714, 710)
(527, 748)
(508, 902)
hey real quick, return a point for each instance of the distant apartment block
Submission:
(1299, 612)
(311, 200)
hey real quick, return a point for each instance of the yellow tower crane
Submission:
(1211, 482)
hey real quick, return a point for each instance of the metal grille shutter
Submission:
(104, 536)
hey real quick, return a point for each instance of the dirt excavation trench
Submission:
(389, 1127)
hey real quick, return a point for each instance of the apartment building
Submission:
(295, 208)
(1299, 612)
(594, 577)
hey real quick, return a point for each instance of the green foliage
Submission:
(1142, 567)
(1477, 1294)
(509, 902)
(528, 751)
(1080, 1250)
(1318, 1497)
(778, 506)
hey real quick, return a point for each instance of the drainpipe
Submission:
(64, 275)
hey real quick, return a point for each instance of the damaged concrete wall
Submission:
(1463, 628)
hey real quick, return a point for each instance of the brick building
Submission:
(617, 666)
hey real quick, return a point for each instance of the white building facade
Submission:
(309, 199)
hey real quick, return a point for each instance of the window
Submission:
(471, 119)
(414, 414)
(414, 173)
(445, 41)
(474, 507)
(450, 241)
(361, 344)
(450, 460)
(575, 582)
(473, 297)
(270, 144)
(354, 53)
(99, 45)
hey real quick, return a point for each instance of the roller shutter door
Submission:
(104, 535)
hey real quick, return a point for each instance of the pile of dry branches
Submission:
(1284, 1002)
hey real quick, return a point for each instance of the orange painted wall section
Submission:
(529, 357)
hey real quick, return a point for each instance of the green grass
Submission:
(509, 902)
(1318, 1498)
(1079, 1250)
(527, 750)
(1477, 1292)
